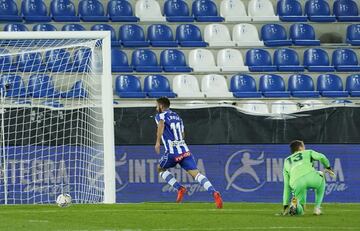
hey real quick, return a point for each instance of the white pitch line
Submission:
(38, 221)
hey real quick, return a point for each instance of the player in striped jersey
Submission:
(170, 130)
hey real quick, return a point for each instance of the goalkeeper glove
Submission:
(330, 172)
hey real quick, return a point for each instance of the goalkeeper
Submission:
(300, 175)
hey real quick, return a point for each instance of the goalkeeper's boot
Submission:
(180, 194)
(317, 211)
(293, 206)
(218, 200)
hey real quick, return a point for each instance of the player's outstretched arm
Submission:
(320, 157)
(159, 133)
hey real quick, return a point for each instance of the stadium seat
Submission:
(34, 11)
(346, 11)
(92, 11)
(345, 60)
(234, 11)
(57, 60)
(290, 11)
(73, 27)
(9, 11)
(119, 61)
(303, 35)
(284, 107)
(173, 60)
(44, 27)
(319, 11)
(259, 60)
(246, 35)
(262, 10)
(106, 27)
(82, 58)
(330, 85)
(273, 86)
(317, 60)
(144, 60)
(128, 86)
(132, 35)
(255, 106)
(189, 35)
(13, 85)
(205, 11)
(201, 60)
(5, 60)
(15, 27)
(215, 86)
(161, 35)
(218, 35)
(353, 85)
(29, 62)
(42, 85)
(187, 86)
(244, 86)
(287, 60)
(274, 35)
(121, 11)
(177, 11)
(302, 86)
(148, 10)
(157, 86)
(230, 60)
(353, 34)
(63, 11)
(76, 91)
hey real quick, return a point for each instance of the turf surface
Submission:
(167, 216)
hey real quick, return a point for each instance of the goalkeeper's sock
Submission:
(205, 183)
(170, 179)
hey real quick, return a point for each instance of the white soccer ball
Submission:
(63, 200)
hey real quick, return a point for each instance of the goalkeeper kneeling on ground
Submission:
(300, 175)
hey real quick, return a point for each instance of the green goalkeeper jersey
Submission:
(297, 165)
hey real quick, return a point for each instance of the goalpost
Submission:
(57, 132)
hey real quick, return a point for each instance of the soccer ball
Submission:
(63, 200)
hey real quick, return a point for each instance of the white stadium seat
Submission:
(187, 86)
(255, 106)
(246, 35)
(284, 107)
(148, 10)
(233, 11)
(215, 86)
(201, 60)
(262, 10)
(218, 35)
(231, 60)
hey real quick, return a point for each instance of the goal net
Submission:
(56, 130)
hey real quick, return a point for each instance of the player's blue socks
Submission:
(170, 179)
(205, 183)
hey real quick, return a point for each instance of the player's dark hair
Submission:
(295, 145)
(165, 102)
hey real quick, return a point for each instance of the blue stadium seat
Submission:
(128, 86)
(290, 11)
(121, 11)
(5, 60)
(173, 60)
(63, 11)
(244, 86)
(353, 85)
(106, 27)
(274, 35)
(319, 11)
(144, 60)
(345, 60)
(76, 91)
(287, 60)
(9, 11)
(42, 85)
(44, 27)
(353, 34)
(303, 35)
(15, 27)
(119, 61)
(161, 35)
(317, 60)
(57, 60)
(330, 85)
(73, 27)
(189, 35)
(92, 11)
(205, 11)
(34, 11)
(29, 62)
(273, 86)
(82, 59)
(13, 85)
(259, 60)
(177, 11)
(132, 35)
(346, 11)
(157, 86)
(302, 86)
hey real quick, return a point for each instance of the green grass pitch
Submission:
(168, 216)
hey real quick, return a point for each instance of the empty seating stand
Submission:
(132, 35)
(157, 86)
(244, 86)
(187, 86)
(189, 35)
(128, 86)
(148, 10)
(9, 11)
(205, 11)
(345, 60)
(346, 11)
(303, 35)
(160, 35)
(317, 60)
(259, 60)
(302, 86)
(218, 35)
(121, 11)
(246, 35)
(34, 11)
(353, 85)
(319, 11)
(119, 61)
(286, 59)
(63, 11)
(262, 10)
(230, 60)
(330, 85)
(234, 11)
(92, 11)
(173, 60)
(201, 60)
(290, 11)
(144, 60)
(273, 86)
(177, 11)
(353, 35)
(215, 86)
(274, 35)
